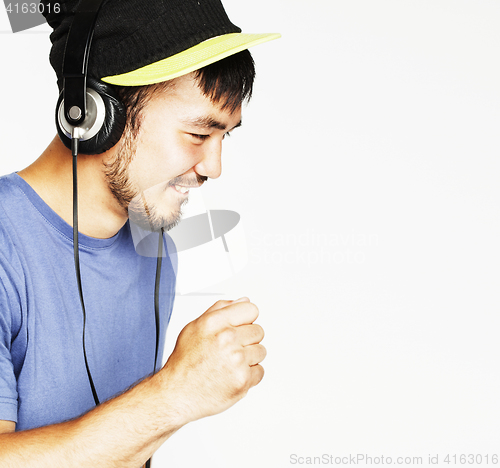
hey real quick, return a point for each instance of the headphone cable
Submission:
(74, 151)
(157, 293)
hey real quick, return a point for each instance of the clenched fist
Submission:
(216, 359)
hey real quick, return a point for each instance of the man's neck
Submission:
(51, 176)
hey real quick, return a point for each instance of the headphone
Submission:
(87, 109)
(90, 119)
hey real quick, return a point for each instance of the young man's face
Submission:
(178, 146)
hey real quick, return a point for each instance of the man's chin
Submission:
(154, 223)
(153, 213)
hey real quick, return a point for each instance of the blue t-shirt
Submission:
(43, 379)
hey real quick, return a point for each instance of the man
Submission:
(181, 71)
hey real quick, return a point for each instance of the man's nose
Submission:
(211, 165)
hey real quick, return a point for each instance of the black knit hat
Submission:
(168, 37)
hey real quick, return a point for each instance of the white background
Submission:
(366, 178)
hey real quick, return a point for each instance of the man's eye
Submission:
(199, 137)
(204, 137)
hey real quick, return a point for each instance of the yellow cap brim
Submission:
(199, 56)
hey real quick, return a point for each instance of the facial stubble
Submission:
(139, 205)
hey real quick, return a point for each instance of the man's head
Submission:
(173, 138)
(165, 57)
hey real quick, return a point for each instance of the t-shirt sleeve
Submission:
(8, 382)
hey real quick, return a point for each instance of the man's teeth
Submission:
(182, 189)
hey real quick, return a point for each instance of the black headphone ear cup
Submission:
(114, 121)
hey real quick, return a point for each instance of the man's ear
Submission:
(112, 113)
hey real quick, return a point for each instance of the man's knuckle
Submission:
(238, 358)
(226, 337)
(241, 380)
(211, 322)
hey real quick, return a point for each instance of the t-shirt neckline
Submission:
(59, 223)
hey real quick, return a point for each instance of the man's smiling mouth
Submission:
(181, 189)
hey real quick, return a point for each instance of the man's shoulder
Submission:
(18, 219)
(9, 185)
(14, 201)
(13, 206)
(11, 201)
(13, 194)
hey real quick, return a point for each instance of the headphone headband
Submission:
(76, 57)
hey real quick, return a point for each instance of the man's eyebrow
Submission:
(209, 122)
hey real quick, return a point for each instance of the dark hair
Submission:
(228, 82)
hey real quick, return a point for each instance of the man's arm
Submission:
(7, 426)
(123, 432)
(213, 365)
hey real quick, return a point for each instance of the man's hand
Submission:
(214, 363)
(216, 359)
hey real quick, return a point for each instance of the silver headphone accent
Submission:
(93, 119)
